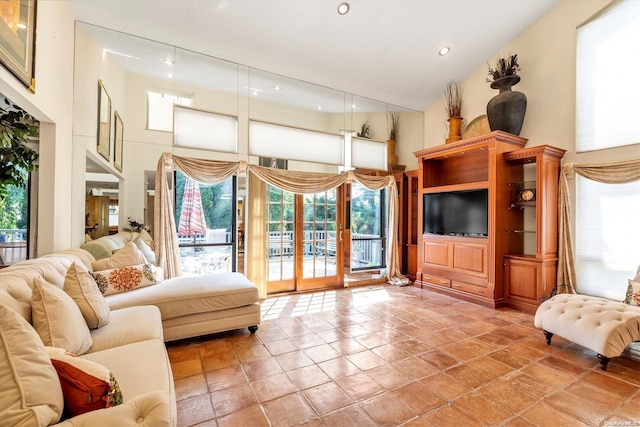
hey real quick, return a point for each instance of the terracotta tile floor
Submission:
(387, 356)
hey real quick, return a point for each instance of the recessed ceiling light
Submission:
(170, 75)
(319, 107)
(254, 93)
(168, 61)
(343, 8)
(21, 26)
(276, 88)
(354, 106)
(443, 51)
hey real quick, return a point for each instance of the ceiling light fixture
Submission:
(343, 8)
(168, 61)
(276, 88)
(443, 51)
(354, 106)
(319, 107)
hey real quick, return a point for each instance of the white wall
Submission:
(51, 105)
(547, 56)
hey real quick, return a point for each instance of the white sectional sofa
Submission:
(190, 306)
(131, 344)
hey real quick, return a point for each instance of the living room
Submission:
(67, 138)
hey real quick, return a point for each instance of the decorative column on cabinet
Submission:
(531, 273)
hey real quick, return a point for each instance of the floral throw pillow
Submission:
(125, 279)
(633, 293)
(86, 385)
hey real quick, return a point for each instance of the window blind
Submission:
(205, 130)
(368, 154)
(607, 83)
(607, 253)
(284, 142)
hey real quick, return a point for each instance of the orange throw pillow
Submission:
(86, 385)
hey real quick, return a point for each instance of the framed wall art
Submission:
(18, 39)
(104, 122)
(118, 140)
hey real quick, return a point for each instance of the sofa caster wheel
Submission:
(604, 361)
(548, 336)
(253, 329)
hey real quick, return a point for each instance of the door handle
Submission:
(341, 236)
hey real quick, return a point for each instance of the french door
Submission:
(304, 240)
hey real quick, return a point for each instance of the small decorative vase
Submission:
(455, 129)
(391, 152)
(506, 110)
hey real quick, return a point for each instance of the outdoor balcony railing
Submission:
(13, 246)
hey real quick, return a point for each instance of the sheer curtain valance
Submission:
(213, 171)
(607, 173)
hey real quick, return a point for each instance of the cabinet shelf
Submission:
(522, 205)
(520, 185)
(457, 187)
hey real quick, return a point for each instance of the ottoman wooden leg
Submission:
(253, 329)
(548, 336)
(604, 361)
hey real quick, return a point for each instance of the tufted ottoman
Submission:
(604, 326)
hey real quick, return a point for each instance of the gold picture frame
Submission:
(18, 40)
(118, 140)
(104, 122)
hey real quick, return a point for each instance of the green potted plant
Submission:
(453, 104)
(506, 110)
(17, 160)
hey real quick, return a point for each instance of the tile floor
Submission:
(387, 356)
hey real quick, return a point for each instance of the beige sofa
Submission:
(130, 345)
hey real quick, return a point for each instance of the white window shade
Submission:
(368, 154)
(607, 253)
(205, 130)
(160, 109)
(607, 83)
(283, 142)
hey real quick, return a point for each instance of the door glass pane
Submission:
(320, 236)
(14, 210)
(205, 222)
(280, 234)
(368, 234)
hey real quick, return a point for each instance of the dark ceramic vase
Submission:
(506, 110)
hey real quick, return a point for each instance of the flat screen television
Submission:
(457, 213)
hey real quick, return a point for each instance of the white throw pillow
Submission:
(82, 288)
(127, 256)
(145, 236)
(30, 392)
(126, 278)
(57, 319)
(146, 250)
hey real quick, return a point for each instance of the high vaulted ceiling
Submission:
(382, 49)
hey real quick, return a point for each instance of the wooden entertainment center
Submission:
(492, 269)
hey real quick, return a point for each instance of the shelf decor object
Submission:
(17, 40)
(507, 109)
(453, 101)
(394, 125)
